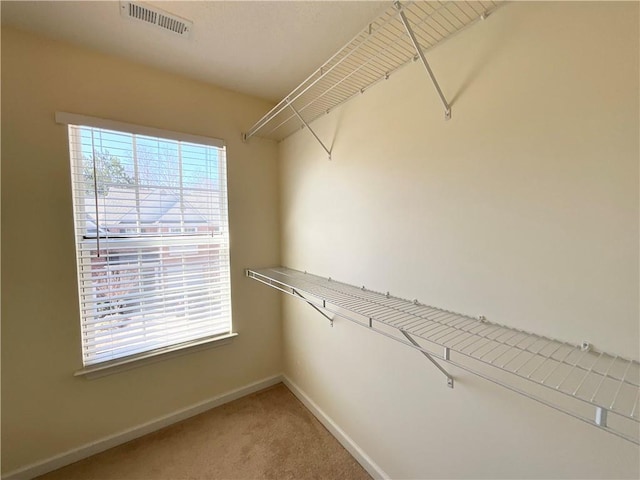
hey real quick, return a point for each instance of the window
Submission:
(152, 239)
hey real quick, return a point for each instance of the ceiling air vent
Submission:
(156, 17)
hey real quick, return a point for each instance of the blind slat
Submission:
(191, 272)
(98, 310)
(127, 339)
(199, 320)
(200, 325)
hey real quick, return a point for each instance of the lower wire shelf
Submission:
(595, 387)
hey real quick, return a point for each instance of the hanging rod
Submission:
(595, 387)
(373, 55)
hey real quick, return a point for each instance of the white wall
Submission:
(523, 208)
(45, 409)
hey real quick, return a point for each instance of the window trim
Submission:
(151, 356)
(64, 118)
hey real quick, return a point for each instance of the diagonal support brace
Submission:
(416, 45)
(295, 292)
(310, 129)
(446, 374)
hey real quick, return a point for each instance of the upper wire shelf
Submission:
(596, 387)
(373, 55)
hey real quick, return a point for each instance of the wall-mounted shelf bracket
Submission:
(438, 366)
(601, 417)
(295, 292)
(308, 128)
(423, 59)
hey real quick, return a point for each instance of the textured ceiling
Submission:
(262, 48)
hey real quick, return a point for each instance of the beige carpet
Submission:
(269, 434)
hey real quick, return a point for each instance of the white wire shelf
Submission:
(373, 55)
(596, 387)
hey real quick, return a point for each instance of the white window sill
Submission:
(135, 361)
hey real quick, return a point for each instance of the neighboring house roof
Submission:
(120, 208)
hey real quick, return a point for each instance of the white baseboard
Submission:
(76, 454)
(363, 459)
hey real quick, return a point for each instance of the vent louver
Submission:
(156, 17)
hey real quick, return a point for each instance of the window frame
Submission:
(159, 353)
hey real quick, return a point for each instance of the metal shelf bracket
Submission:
(601, 417)
(308, 127)
(438, 366)
(416, 45)
(295, 292)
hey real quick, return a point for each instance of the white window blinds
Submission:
(152, 240)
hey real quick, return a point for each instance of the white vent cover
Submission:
(156, 17)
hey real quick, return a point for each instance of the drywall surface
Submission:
(523, 208)
(45, 409)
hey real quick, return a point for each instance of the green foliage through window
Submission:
(109, 171)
